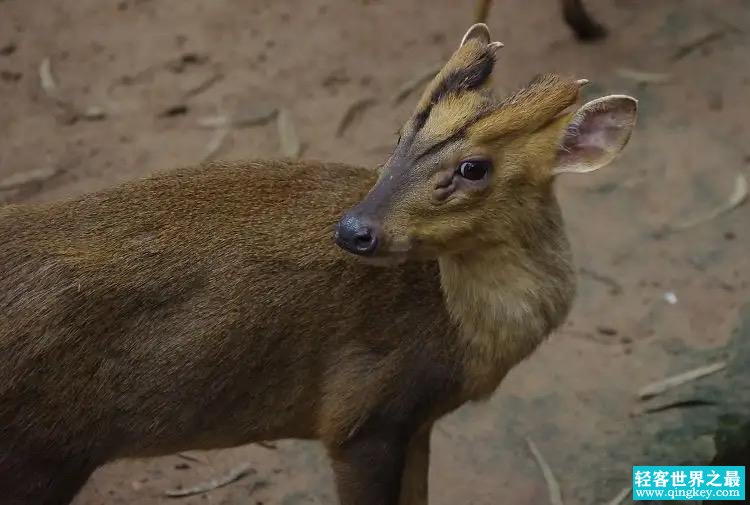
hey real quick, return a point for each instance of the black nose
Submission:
(356, 235)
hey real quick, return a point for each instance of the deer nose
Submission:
(357, 235)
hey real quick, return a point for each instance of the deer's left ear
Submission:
(596, 134)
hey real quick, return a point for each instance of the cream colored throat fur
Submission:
(506, 302)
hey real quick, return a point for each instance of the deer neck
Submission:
(506, 298)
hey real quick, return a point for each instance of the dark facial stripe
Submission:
(458, 134)
(464, 79)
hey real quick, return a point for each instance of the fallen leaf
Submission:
(644, 77)
(28, 177)
(47, 79)
(288, 139)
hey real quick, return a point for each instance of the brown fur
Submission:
(209, 307)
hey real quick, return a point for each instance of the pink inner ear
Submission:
(591, 136)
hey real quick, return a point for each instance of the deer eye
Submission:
(474, 170)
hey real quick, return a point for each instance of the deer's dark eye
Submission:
(474, 170)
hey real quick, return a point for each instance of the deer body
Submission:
(210, 307)
(160, 317)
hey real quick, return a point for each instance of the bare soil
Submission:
(154, 69)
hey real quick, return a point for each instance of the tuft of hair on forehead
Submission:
(545, 98)
(468, 69)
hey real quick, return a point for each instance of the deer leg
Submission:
(482, 10)
(582, 24)
(368, 467)
(414, 484)
(41, 480)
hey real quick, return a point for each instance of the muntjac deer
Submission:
(211, 307)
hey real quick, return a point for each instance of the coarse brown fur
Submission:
(210, 307)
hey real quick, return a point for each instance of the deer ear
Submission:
(596, 134)
(479, 31)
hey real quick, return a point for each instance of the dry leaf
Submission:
(288, 139)
(243, 117)
(216, 143)
(28, 176)
(644, 77)
(94, 113)
(47, 79)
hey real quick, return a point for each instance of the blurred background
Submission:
(95, 92)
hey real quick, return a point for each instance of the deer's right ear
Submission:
(596, 134)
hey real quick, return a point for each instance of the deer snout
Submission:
(357, 235)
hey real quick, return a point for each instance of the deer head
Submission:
(467, 166)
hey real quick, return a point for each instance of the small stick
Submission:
(203, 86)
(231, 476)
(614, 287)
(619, 497)
(661, 386)
(555, 496)
(189, 457)
(688, 48)
(738, 196)
(267, 445)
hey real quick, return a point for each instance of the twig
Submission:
(352, 113)
(661, 386)
(416, 82)
(738, 196)
(685, 49)
(267, 445)
(619, 497)
(675, 405)
(203, 86)
(231, 476)
(189, 457)
(614, 287)
(216, 143)
(555, 496)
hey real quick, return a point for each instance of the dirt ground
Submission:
(652, 302)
